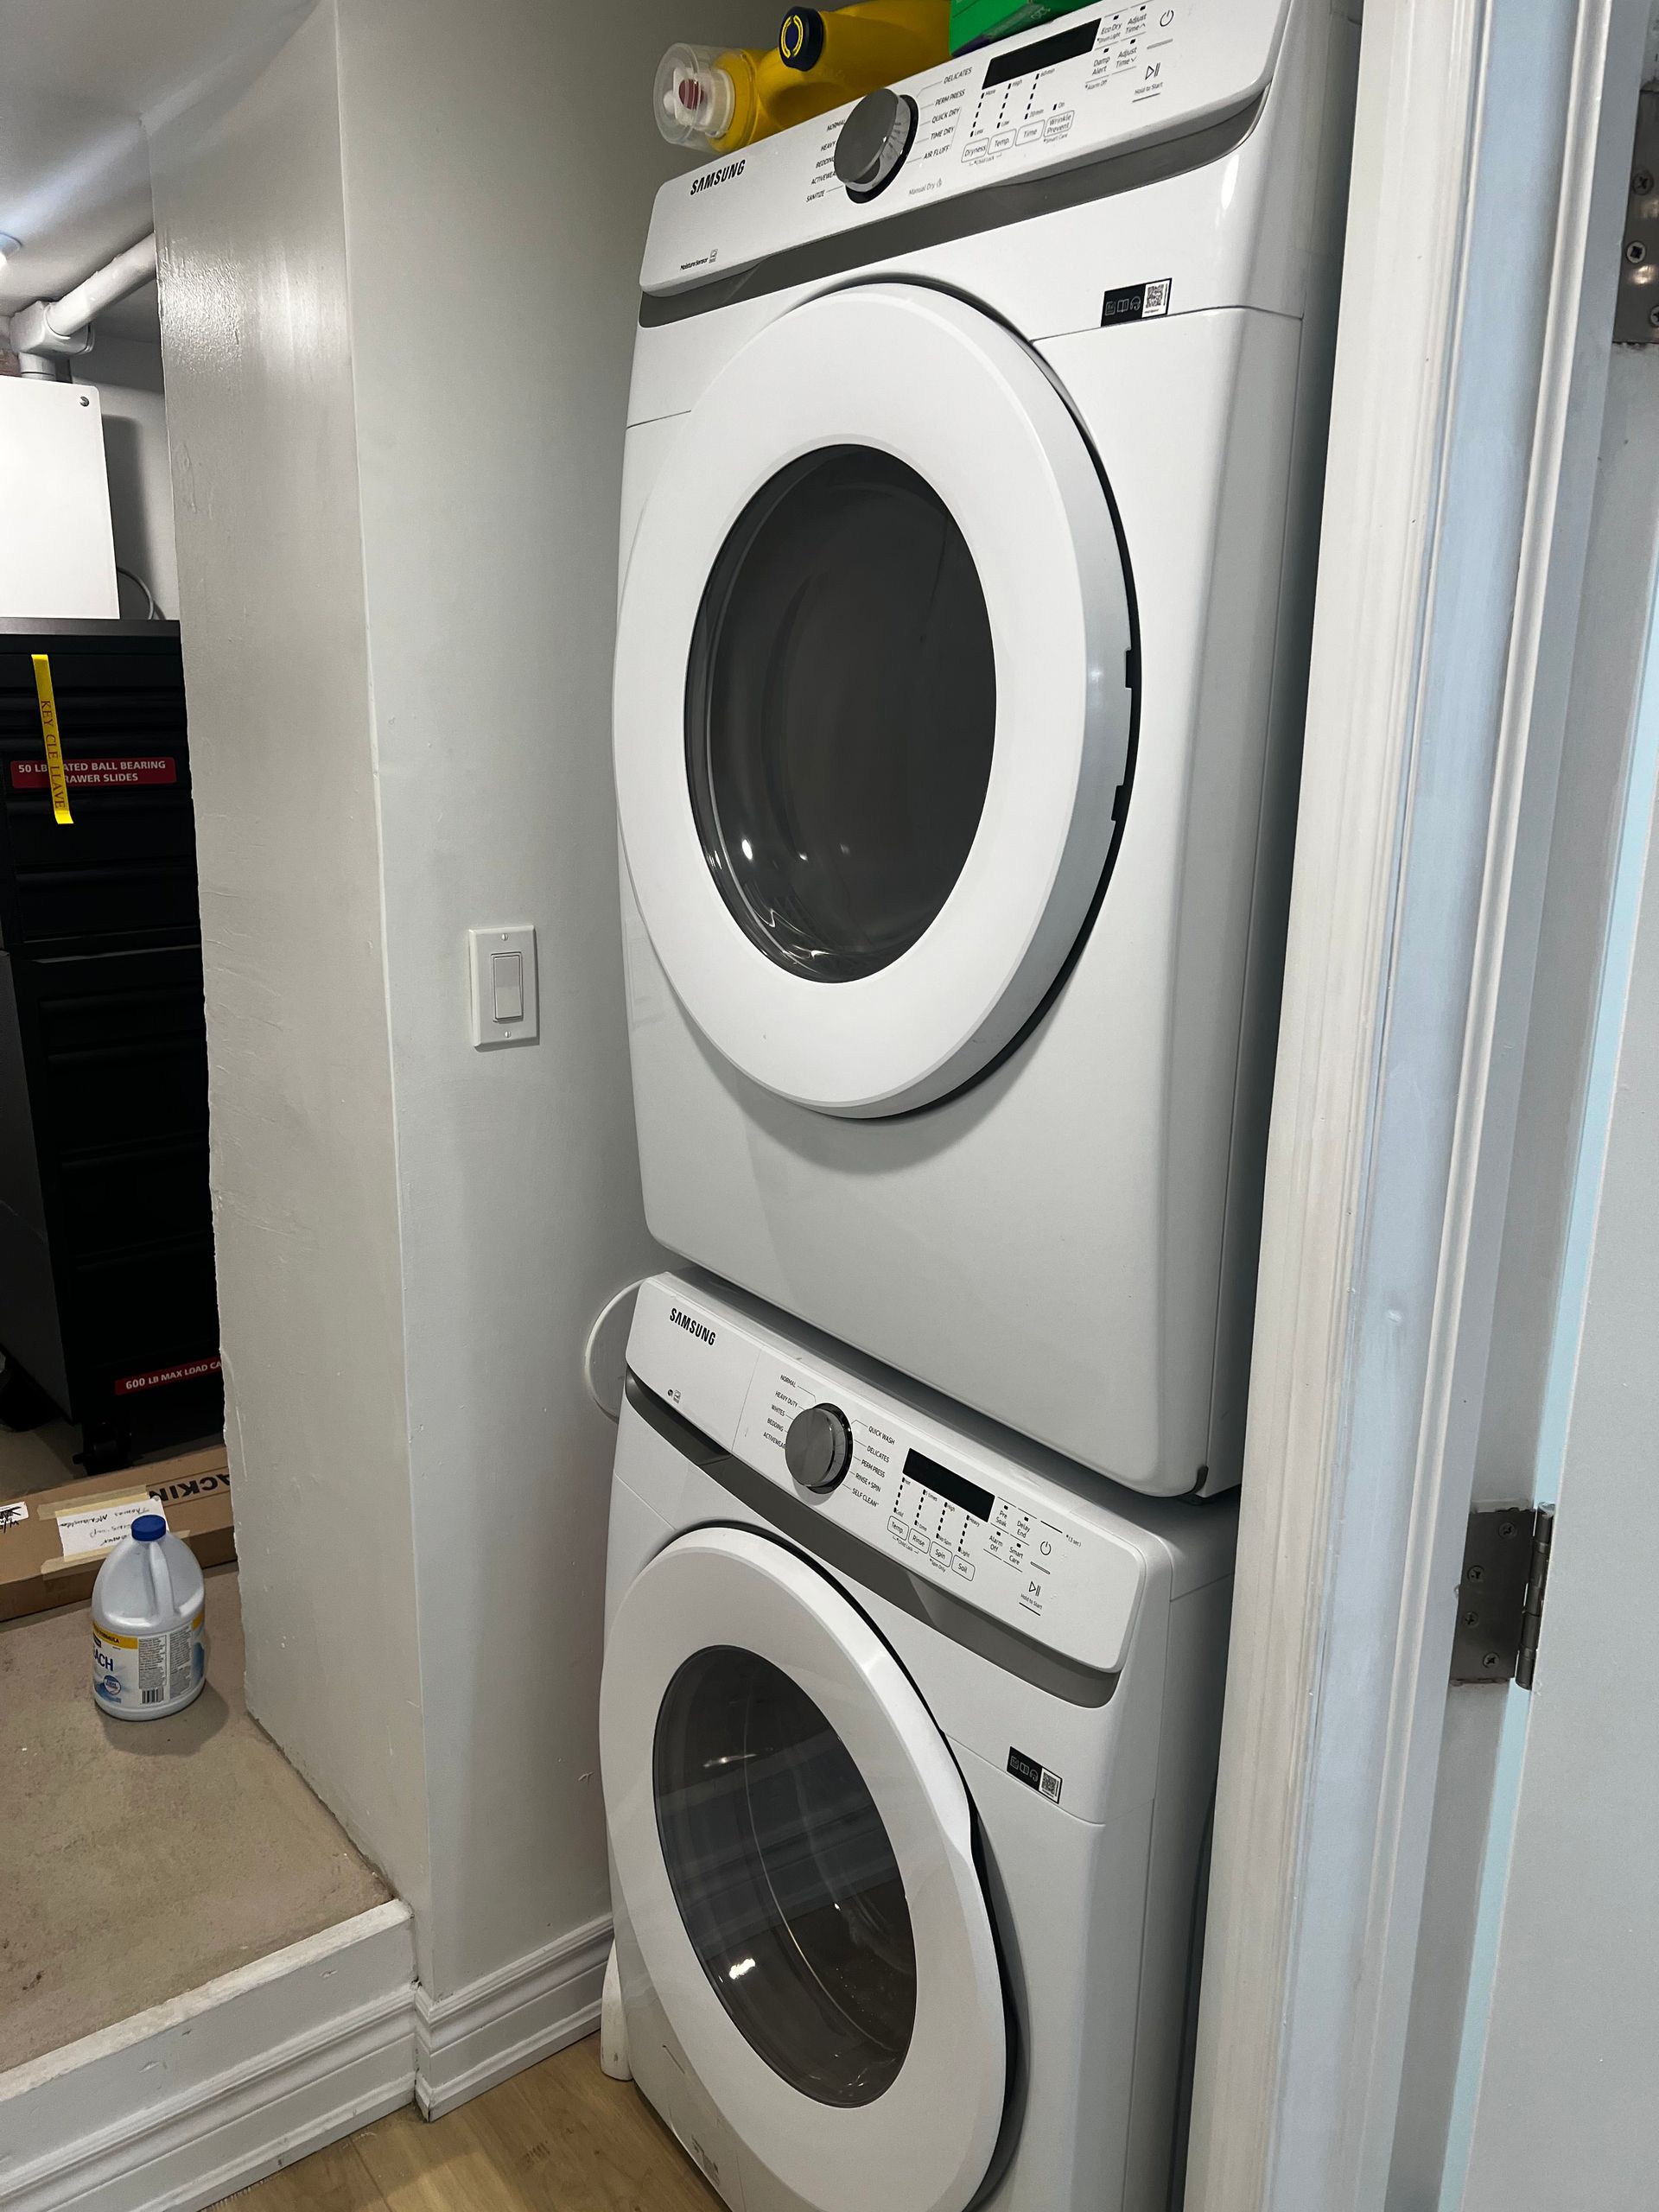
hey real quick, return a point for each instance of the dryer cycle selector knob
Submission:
(872, 142)
(819, 1447)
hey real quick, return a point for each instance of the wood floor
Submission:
(560, 2137)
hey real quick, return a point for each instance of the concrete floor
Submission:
(138, 1860)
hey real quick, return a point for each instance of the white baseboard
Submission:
(180, 2106)
(175, 2108)
(497, 2026)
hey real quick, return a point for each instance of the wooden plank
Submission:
(560, 2137)
(334, 2180)
(590, 2141)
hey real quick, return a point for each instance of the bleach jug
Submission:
(148, 1606)
(719, 101)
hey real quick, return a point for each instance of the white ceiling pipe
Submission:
(61, 325)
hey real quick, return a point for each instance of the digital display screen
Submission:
(969, 1495)
(1024, 60)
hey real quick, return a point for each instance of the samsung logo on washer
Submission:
(700, 1329)
(717, 176)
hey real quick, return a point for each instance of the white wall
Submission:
(491, 487)
(127, 373)
(271, 578)
(439, 386)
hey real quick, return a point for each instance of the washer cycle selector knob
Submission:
(872, 142)
(819, 1447)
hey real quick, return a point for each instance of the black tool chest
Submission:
(106, 1255)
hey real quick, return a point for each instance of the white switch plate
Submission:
(491, 955)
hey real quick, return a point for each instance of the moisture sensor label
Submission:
(1035, 1776)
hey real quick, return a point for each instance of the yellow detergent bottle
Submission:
(719, 101)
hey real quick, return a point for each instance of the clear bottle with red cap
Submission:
(718, 99)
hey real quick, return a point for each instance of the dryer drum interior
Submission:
(841, 713)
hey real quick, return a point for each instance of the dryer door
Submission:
(874, 699)
(794, 1848)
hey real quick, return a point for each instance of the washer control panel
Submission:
(964, 1525)
(999, 1538)
(1098, 81)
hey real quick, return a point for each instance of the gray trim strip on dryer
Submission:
(809, 1532)
(964, 216)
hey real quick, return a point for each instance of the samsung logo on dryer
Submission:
(693, 1327)
(726, 169)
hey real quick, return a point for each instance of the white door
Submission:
(1566, 2114)
(794, 1848)
(874, 699)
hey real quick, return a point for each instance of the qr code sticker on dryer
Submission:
(1134, 302)
(1035, 1775)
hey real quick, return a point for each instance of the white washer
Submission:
(907, 1778)
(967, 547)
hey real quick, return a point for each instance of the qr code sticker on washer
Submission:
(1157, 298)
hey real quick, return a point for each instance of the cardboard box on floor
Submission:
(193, 1489)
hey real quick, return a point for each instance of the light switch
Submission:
(503, 964)
(507, 985)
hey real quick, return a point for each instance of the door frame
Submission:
(1491, 151)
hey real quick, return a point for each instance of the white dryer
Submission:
(972, 472)
(908, 1736)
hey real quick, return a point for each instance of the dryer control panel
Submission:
(1098, 82)
(1062, 1569)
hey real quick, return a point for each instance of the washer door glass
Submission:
(784, 1877)
(796, 1879)
(841, 713)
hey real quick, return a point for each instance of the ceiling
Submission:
(80, 78)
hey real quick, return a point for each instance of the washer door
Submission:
(794, 1848)
(873, 700)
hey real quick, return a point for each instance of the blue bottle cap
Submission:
(150, 1528)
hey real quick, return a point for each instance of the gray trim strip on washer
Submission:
(807, 1530)
(964, 216)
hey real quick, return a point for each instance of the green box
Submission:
(977, 22)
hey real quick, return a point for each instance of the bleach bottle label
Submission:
(136, 1673)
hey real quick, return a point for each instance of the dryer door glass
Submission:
(841, 713)
(784, 1877)
(874, 697)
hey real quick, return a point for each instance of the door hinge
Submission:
(1500, 1597)
(1636, 318)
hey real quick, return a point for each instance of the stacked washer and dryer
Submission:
(969, 515)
